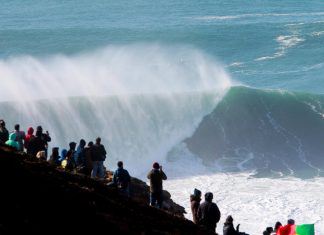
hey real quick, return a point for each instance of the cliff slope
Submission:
(37, 198)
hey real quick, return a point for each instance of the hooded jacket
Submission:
(12, 141)
(287, 229)
(29, 136)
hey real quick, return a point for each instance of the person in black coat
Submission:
(98, 156)
(4, 133)
(228, 228)
(36, 144)
(208, 213)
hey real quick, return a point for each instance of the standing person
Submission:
(87, 161)
(98, 157)
(45, 138)
(54, 158)
(37, 144)
(20, 137)
(80, 156)
(4, 133)
(70, 156)
(228, 228)
(29, 136)
(208, 213)
(195, 199)
(122, 179)
(156, 175)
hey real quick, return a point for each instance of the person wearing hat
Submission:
(4, 133)
(228, 228)
(156, 176)
(195, 199)
(208, 213)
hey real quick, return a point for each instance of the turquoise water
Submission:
(189, 55)
(264, 44)
(235, 85)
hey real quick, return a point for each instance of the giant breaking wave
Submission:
(147, 100)
(273, 133)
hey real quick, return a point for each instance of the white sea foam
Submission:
(236, 64)
(317, 34)
(285, 42)
(288, 41)
(257, 15)
(255, 203)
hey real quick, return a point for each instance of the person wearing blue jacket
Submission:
(121, 179)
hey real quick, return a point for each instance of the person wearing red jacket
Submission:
(288, 229)
(29, 136)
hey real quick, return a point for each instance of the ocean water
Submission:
(226, 95)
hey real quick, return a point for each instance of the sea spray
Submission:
(141, 99)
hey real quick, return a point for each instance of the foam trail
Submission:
(141, 99)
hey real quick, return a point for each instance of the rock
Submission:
(37, 198)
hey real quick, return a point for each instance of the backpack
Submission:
(121, 179)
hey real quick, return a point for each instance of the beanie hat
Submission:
(156, 165)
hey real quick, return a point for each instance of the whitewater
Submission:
(142, 123)
(227, 96)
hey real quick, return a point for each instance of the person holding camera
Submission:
(228, 228)
(156, 176)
